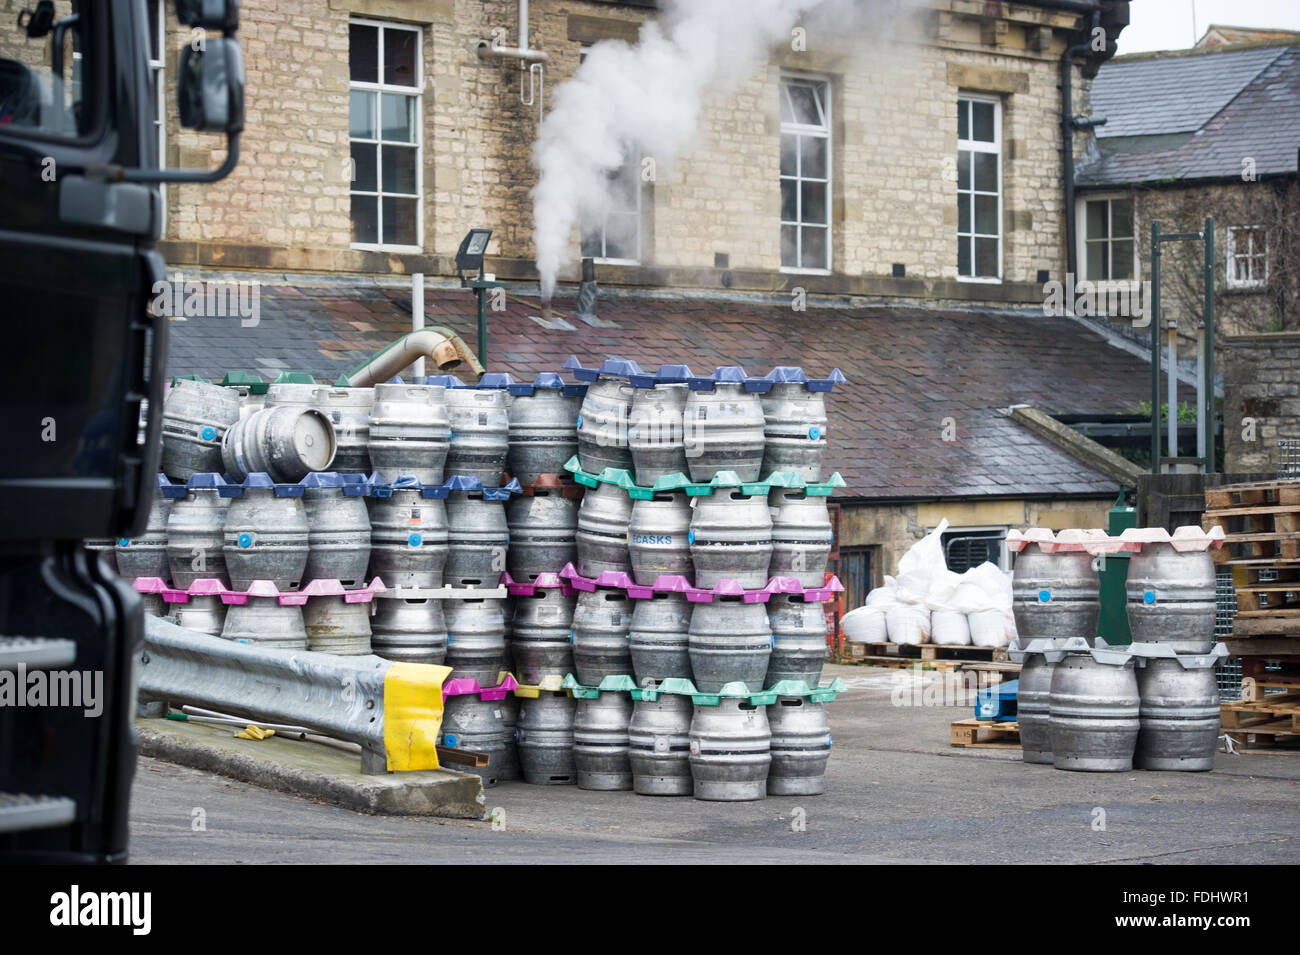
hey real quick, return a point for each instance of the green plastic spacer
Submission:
(295, 378)
(240, 378)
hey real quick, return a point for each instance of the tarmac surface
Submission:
(896, 792)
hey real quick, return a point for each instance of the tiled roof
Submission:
(908, 370)
(1258, 116)
(1178, 94)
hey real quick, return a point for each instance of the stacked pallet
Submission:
(1261, 524)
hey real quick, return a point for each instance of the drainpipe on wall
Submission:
(1067, 142)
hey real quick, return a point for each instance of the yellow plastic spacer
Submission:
(413, 715)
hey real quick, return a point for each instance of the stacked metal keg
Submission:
(1171, 610)
(684, 496)
(543, 528)
(1086, 705)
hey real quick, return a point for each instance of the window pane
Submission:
(591, 245)
(963, 212)
(361, 114)
(982, 120)
(804, 101)
(1096, 216)
(624, 186)
(155, 43)
(986, 172)
(399, 58)
(814, 248)
(620, 237)
(363, 168)
(399, 221)
(399, 118)
(963, 119)
(789, 155)
(789, 200)
(963, 169)
(363, 53)
(813, 158)
(365, 219)
(814, 202)
(1096, 261)
(789, 246)
(399, 169)
(986, 215)
(1122, 259)
(963, 256)
(986, 258)
(1121, 218)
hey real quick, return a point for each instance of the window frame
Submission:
(826, 132)
(1081, 238)
(1252, 284)
(379, 88)
(634, 163)
(158, 82)
(994, 148)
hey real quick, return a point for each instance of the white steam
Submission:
(645, 100)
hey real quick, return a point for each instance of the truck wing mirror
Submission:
(211, 87)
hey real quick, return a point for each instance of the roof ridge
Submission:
(1191, 51)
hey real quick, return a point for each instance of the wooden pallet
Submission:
(1272, 714)
(907, 663)
(936, 651)
(1260, 521)
(984, 734)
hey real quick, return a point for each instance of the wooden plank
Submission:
(1268, 646)
(971, 733)
(1253, 510)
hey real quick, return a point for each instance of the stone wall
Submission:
(1261, 385)
(712, 216)
(1272, 203)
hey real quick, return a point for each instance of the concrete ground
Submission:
(896, 792)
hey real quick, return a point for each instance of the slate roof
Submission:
(908, 371)
(1227, 105)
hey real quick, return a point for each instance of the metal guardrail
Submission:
(392, 710)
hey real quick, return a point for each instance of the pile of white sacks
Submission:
(928, 603)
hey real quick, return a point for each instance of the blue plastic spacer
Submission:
(414, 540)
(1149, 597)
(245, 540)
(208, 433)
(1044, 596)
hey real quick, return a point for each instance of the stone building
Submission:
(894, 203)
(1213, 131)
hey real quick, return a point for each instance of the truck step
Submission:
(19, 812)
(36, 653)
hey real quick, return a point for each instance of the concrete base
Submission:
(319, 770)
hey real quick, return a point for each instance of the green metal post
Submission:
(1155, 347)
(1112, 580)
(1208, 397)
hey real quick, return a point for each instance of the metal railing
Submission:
(391, 710)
